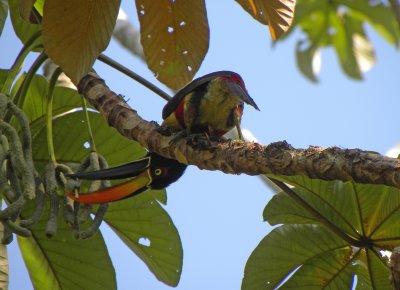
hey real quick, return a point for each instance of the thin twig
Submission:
(126, 71)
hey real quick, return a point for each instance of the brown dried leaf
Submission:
(277, 14)
(175, 37)
(75, 32)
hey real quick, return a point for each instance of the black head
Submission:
(164, 171)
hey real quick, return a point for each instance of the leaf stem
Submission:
(21, 93)
(107, 60)
(88, 126)
(49, 114)
(16, 67)
(352, 241)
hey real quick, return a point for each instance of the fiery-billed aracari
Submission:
(212, 103)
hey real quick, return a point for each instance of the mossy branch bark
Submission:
(234, 156)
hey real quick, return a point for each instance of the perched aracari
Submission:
(212, 104)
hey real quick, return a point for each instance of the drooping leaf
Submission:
(147, 229)
(175, 37)
(3, 263)
(22, 28)
(3, 14)
(76, 32)
(64, 262)
(277, 14)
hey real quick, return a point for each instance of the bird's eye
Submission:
(158, 172)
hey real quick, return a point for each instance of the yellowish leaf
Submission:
(75, 32)
(175, 37)
(277, 14)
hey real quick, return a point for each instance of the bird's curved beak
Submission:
(242, 94)
(130, 188)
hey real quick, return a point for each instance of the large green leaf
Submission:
(364, 212)
(147, 229)
(312, 257)
(331, 269)
(309, 247)
(175, 37)
(76, 32)
(3, 14)
(64, 262)
(22, 28)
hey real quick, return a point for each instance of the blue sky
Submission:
(219, 216)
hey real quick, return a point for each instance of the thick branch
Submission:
(234, 156)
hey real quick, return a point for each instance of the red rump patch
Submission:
(179, 113)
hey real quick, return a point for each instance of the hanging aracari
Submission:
(212, 104)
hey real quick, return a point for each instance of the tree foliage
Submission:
(328, 232)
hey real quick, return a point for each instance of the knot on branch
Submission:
(279, 155)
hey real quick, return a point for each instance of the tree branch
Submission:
(234, 156)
